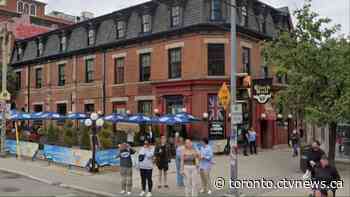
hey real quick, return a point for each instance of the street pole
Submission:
(93, 162)
(5, 47)
(234, 152)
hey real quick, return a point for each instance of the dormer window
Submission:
(26, 9)
(20, 7)
(63, 43)
(244, 15)
(19, 53)
(175, 16)
(121, 29)
(146, 23)
(33, 10)
(216, 10)
(40, 48)
(91, 37)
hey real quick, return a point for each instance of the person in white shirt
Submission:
(130, 137)
(146, 156)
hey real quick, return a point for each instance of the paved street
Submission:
(16, 185)
(271, 164)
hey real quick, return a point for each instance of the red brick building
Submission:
(164, 55)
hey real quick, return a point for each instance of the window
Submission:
(19, 53)
(18, 80)
(91, 37)
(119, 70)
(33, 10)
(62, 108)
(20, 6)
(146, 23)
(121, 29)
(246, 60)
(244, 16)
(175, 16)
(175, 63)
(89, 70)
(216, 59)
(38, 108)
(119, 107)
(63, 43)
(145, 66)
(145, 107)
(38, 78)
(216, 10)
(40, 48)
(26, 9)
(89, 108)
(262, 25)
(265, 71)
(61, 76)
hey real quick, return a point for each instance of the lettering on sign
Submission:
(262, 90)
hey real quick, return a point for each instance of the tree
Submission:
(318, 69)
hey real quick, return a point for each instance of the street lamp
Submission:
(128, 112)
(94, 122)
(205, 115)
(279, 116)
(184, 109)
(263, 116)
(156, 111)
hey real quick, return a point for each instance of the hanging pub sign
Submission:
(262, 90)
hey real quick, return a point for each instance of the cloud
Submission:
(337, 10)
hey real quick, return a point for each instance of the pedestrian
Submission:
(252, 140)
(146, 156)
(189, 168)
(130, 137)
(325, 173)
(295, 142)
(205, 165)
(313, 158)
(244, 139)
(163, 155)
(150, 135)
(179, 147)
(126, 167)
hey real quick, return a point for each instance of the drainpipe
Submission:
(104, 83)
(28, 90)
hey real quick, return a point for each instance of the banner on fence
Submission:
(68, 156)
(107, 157)
(26, 149)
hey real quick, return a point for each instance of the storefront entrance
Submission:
(173, 105)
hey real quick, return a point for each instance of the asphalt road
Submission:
(15, 185)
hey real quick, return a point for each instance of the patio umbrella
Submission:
(115, 118)
(47, 116)
(187, 117)
(171, 119)
(140, 119)
(20, 116)
(77, 116)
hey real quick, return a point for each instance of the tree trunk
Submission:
(332, 141)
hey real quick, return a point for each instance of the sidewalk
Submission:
(272, 165)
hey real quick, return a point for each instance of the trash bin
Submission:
(304, 154)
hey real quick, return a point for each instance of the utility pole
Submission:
(233, 137)
(5, 37)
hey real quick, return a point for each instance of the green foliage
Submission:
(106, 135)
(85, 137)
(318, 69)
(70, 137)
(52, 134)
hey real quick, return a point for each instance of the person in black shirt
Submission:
(325, 173)
(313, 158)
(163, 156)
(126, 167)
(295, 142)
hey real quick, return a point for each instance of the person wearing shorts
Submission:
(163, 156)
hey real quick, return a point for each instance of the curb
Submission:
(74, 187)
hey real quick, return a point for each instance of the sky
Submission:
(337, 10)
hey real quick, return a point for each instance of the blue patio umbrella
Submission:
(187, 117)
(20, 116)
(115, 118)
(50, 116)
(171, 119)
(77, 116)
(140, 119)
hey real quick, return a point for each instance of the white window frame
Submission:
(30, 10)
(20, 2)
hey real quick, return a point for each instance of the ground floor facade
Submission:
(158, 98)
